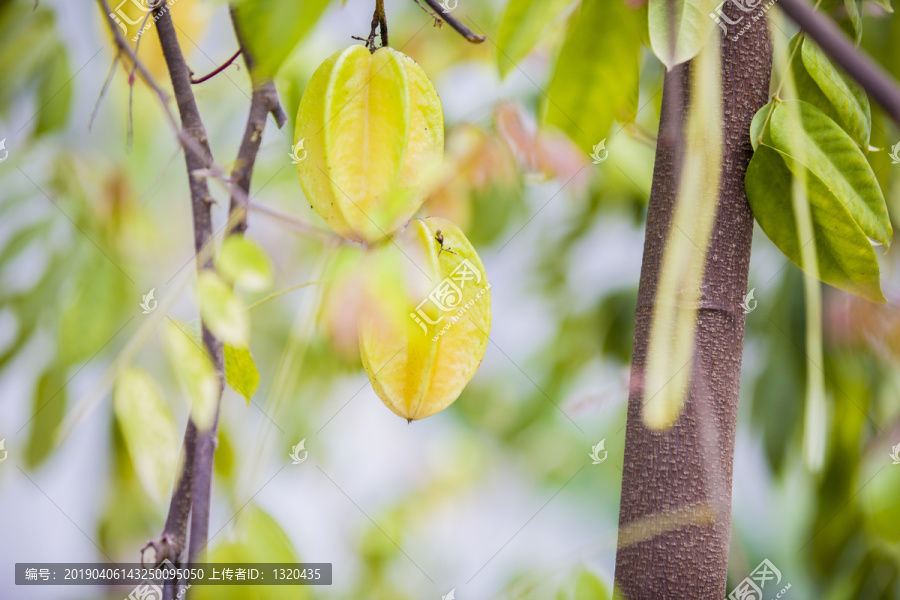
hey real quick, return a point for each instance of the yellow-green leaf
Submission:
(595, 80)
(521, 27)
(271, 28)
(221, 310)
(148, 429)
(241, 372)
(244, 262)
(692, 27)
(194, 370)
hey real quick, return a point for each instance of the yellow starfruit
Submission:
(372, 131)
(420, 353)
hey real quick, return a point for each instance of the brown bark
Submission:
(675, 511)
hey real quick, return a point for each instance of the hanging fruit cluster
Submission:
(372, 126)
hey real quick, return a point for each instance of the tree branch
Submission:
(440, 13)
(263, 101)
(197, 157)
(877, 83)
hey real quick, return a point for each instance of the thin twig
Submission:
(440, 13)
(129, 135)
(109, 76)
(870, 76)
(218, 69)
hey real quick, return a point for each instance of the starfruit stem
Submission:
(379, 22)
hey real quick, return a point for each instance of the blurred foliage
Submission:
(81, 243)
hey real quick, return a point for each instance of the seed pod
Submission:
(373, 131)
(421, 353)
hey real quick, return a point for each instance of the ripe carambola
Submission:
(421, 352)
(373, 128)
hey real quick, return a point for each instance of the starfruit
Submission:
(421, 352)
(373, 131)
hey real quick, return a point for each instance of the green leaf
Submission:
(521, 27)
(148, 429)
(885, 4)
(846, 102)
(194, 370)
(96, 299)
(240, 371)
(846, 204)
(271, 28)
(221, 310)
(833, 157)
(595, 80)
(583, 585)
(244, 262)
(692, 28)
(49, 408)
(54, 93)
(256, 537)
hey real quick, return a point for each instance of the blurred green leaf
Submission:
(48, 410)
(271, 28)
(521, 27)
(93, 313)
(240, 371)
(222, 311)
(256, 538)
(194, 370)
(855, 19)
(54, 93)
(584, 585)
(148, 429)
(845, 200)
(595, 80)
(692, 29)
(244, 262)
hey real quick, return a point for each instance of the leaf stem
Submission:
(281, 293)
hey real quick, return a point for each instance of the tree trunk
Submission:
(675, 511)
